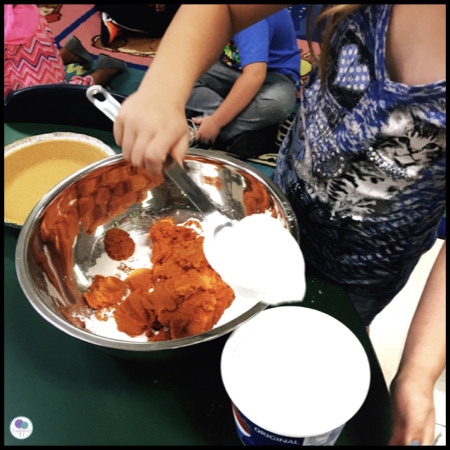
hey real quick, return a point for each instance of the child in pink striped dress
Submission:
(31, 56)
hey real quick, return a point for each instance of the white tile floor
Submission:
(388, 333)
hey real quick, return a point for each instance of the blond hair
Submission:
(334, 13)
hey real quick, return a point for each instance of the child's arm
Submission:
(242, 93)
(151, 122)
(415, 55)
(422, 362)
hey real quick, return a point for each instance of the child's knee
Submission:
(282, 108)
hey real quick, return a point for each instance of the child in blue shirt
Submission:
(239, 103)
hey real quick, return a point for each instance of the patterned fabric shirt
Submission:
(363, 163)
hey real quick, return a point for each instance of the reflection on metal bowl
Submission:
(61, 244)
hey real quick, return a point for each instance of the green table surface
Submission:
(75, 393)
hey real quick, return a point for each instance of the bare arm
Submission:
(423, 353)
(415, 55)
(422, 362)
(242, 93)
(196, 38)
(151, 122)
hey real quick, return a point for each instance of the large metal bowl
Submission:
(61, 244)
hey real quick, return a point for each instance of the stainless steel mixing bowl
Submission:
(61, 244)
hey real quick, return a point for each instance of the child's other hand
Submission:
(208, 130)
(149, 129)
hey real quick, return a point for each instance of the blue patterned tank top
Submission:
(363, 163)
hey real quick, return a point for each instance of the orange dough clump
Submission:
(118, 244)
(140, 279)
(105, 292)
(131, 316)
(187, 290)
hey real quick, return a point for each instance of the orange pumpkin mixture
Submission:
(180, 296)
(105, 292)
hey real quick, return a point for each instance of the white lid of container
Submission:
(295, 371)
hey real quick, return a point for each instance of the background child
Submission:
(252, 89)
(31, 56)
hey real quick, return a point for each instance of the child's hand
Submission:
(413, 412)
(149, 129)
(208, 130)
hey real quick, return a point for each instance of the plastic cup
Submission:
(295, 376)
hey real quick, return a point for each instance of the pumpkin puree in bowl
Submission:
(180, 296)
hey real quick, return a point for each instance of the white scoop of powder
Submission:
(259, 259)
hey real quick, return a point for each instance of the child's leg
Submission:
(210, 90)
(74, 52)
(107, 68)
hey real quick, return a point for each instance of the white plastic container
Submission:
(295, 376)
